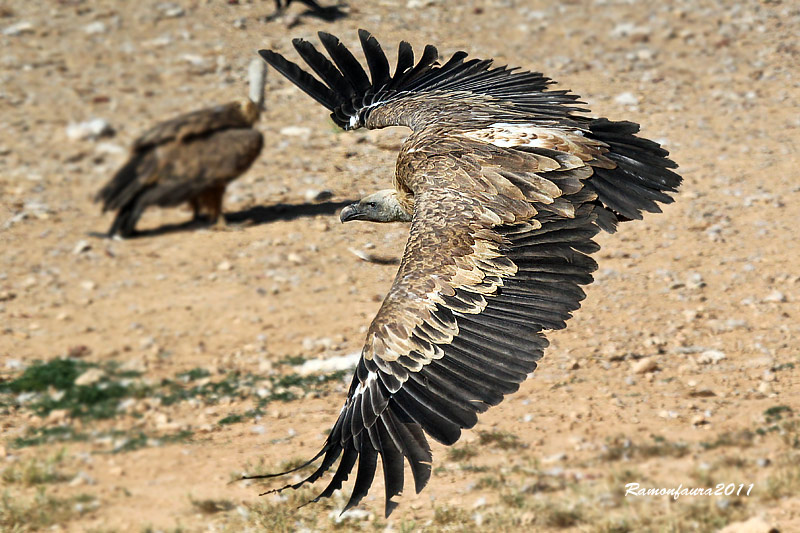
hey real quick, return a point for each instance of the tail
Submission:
(641, 178)
(123, 193)
(125, 221)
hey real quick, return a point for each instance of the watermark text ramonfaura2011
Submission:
(721, 489)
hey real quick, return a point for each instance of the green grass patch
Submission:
(98, 400)
(193, 374)
(774, 414)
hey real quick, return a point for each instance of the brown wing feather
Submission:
(196, 123)
(484, 272)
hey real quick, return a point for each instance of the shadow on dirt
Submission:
(263, 214)
(253, 216)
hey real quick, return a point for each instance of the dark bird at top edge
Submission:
(505, 183)
(326, 13)
(190, 158)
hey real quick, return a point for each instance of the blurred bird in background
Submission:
(190, 158)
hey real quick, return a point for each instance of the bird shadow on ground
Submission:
(253, 216)
(263, 214)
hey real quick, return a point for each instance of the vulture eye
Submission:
(372, 205)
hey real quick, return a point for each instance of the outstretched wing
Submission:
(484, 273)
(193, 124)
(501, 104)
(509, 186)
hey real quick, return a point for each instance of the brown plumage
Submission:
(190, 158)
(505, 184)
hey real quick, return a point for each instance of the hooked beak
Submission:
(350, 212)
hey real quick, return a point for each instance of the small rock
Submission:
(95, 28)
(161, 420)
(765, 388)
(91, 376)
(695, 281)
(258, 430)
(19, 28)
(626, 98)
(82, 479)
(313, 195)
(351, 515)
(170, 10)
(224, 266)
(57, 416)
(644, 365)
(133, 365)
(6, 296)
(81, 246)
(710, 357)
(295, 131)
(331, 364)
(763, 462)
(88, 285)
(775, 297)
(90, 129)
(753, 525)
(557, 458)
(699, 420)
(480, 502)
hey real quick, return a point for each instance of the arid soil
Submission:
(681, 368)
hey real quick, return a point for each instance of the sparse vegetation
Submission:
(35, 471)
(210, 506)
(41, 511)
(462, 453)
(621, 447)
(502, 440)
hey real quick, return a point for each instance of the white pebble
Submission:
(626, 98)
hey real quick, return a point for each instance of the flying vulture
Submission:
(505, 183)
(190, 158)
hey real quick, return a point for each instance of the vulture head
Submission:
(382, 206)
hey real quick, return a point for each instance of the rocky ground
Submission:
(139, 377)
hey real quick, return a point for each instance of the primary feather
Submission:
(506, 183)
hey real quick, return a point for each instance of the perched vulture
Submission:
(190, 158)
(505, 184)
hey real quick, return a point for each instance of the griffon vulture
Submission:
(190, 158)
(505, 183)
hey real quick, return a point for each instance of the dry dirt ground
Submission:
(682, 367)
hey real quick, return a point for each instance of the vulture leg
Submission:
(211, 201)
(196, 209)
